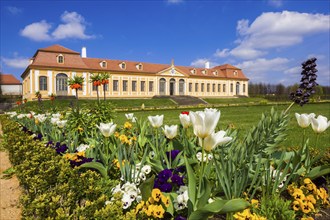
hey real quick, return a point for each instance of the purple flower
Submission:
(179, 217)
(178, 180)
(38, 137)
(173, 154)
(81, 161)
(61, 149)
(180, 169)
(165, 187)
(164, 175)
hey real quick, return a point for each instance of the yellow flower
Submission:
(151, 200)
(150, 210)
(165, 200)
(296, 205)
(80, 129)
(36, 121)
(306, 218)
(128, 125)
(246, 214)
(116, 134)
(310, 198)
(81, 154)
(322, 193)
(139, 206)
(298, 194)
(291, 188)
(123, 138)
(159, 211)
(307, 181)
(68, 156)
(156, 194)
(254, 203)
(306, 207)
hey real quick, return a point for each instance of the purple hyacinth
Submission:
(308, 82)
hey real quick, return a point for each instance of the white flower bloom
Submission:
(129, 187)
(214, 140)
(146, 169)
(139, 198)
(61, 123)
(181, 202)
(205, 122)
(54, 120)
(107, 129)
(57, 115)
(82, 147)
(210, 200)
(209, 156)
(304, 120)
(206, 156)
(108, 202)
(142, 176)
(116, 189)
(20, 116)
(126, 200)
(152, 154)
(129, 116)
(132, 194)
(156, 121)
(185, 120)
(320, 124)
(41, 117)
(170, 131)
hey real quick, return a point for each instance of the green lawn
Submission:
(244, 118)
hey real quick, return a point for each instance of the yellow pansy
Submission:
(165, 200)
(128, 125)
(159, 211)
(156, 194)
(296, 205)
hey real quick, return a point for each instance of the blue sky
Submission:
(267, 39)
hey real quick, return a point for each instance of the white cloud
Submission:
(276, 29)
(37, 31)
(18, 62)
(222, 53)
(293, 70)
(259, 69)
(199, 62)
(73, 26)
(275, 3)
(14, 10)
(174, 1)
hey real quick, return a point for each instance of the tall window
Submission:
(224, 87)
(134, 86)
(151, 86)
(125, 85)
(219, 87)
(106, 87)
(231, 87)
(162, 84)
(60, 58)
(94, 87)
(190, 87)
(42, 83)
(208, 87)
(202, 88)
(213, 88)
(196, 87)
(244, 88)
(181, 87)
(143, 85)
(115, 85)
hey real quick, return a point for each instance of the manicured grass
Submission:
(244, 118)
(234, 100)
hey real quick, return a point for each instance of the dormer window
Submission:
(204, 72)
(235, 73)
(139, 66)
(103, 64)
(193, 71)
(122, 65)
(60, 58)
(215, 73)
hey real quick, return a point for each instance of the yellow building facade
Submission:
(51, 67)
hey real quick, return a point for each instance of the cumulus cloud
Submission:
(259, 69)
(37, 31)
(14, 10)
(73, 26)
(293, 70)
(18, 62)
(222, 53)
(201, 63)
(276, 29)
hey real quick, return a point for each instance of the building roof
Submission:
(47, 58)
(9, 79)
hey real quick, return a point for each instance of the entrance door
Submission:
(61, 84)
(172, 87)
(237, 88)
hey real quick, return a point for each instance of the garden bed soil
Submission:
(9, 191)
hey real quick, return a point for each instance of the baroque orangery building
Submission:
(50, 68)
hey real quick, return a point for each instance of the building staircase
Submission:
(184, 99)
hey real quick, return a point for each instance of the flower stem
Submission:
(284, 113)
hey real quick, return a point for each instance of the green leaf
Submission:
(318, 171)
(146, 188)
(219, 207)
(98, 166)
(8, 173)
(202, 200)
(191, 183)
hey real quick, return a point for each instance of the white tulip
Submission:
(82, 147)
(54, 120)
(61, 124)
(156, 121)
(320, 124)
(57, 115)
(214, 140)
(204, 122)
(41, 117)
(185, 120)
(170, 131)
(129, 116)
(304, 120)
(107, 129)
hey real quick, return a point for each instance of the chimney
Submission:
(83, 52)
(207, 65)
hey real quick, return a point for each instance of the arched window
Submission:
(43, 83)
(181, 87)
(60, 58)
(237, 88)
(162, 86)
